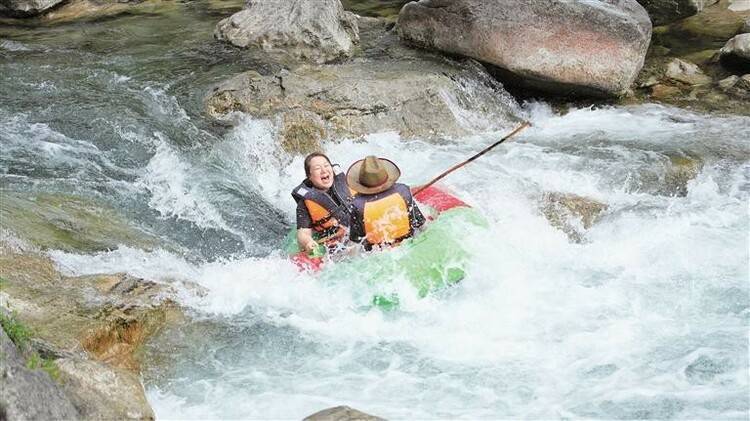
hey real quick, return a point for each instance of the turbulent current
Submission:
(645, 317)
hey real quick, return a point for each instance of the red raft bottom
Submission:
(432, 196)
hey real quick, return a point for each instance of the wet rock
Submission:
(716, 23)
(736, 86)
(746, 27)
(736, 53)
(341, 413)
(415, 97)
(559, 46)
(93, 325)
(29, 394)
(679, 171)
(104, 392)
(302, 132)
(63, 222)
(667, 11)
(571, 213)
(318, 31)
(686, 72)
(704, 369)
(26, 8)
(661, 91)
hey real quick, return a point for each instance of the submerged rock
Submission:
(341, 413)
(311, 30)
(417, 98)
(686, 72)
(580, 48)
(25, 8)
(704, 369)
(571, 213)
(736, 53)
(69, 223)
(667, 11)
(29, 394)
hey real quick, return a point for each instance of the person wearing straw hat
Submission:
(323, 205)
(383, 211)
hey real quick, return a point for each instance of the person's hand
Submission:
(310, 246)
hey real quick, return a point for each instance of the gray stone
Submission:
(729, 82)
(310, 30)
(746, 27)
(29, 394)
(341, 413)
(104, 392)
(663, 12)
(24, 8)
(737, 86)
(579, 48)
(417, 98)
(736, 52)
(686, 72)
(572, 214)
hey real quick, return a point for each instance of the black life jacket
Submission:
(329, 220)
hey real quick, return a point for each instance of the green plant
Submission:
(17, 332)
(48, 365)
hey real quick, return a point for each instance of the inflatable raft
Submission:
(431, 260)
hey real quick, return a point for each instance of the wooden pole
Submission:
(461, 164)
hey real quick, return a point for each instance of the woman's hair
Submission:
(310, 157)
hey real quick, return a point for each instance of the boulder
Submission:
(341, 413)
(736, 53)
(745, 27)
(563, 47)
(427, 99)
(572, 214)
(715, 24)
(686, 72)
(318, 31)
(29, 394)
(26, 8)
(663, 12)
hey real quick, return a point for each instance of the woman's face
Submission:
(321, 173)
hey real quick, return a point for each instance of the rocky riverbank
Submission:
(86, 330)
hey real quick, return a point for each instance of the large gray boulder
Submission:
(663, 12)
(417, 98)
(736, 52)
(23, 8)
(311, 30)
(563, 47)
(29, 394)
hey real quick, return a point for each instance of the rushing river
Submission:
(647, 317)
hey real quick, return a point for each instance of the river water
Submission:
(645, 318)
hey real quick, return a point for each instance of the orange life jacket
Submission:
(329, 220)
(385, 216)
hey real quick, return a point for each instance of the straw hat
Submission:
(372, 175)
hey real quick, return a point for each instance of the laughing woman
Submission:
(323, 205)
